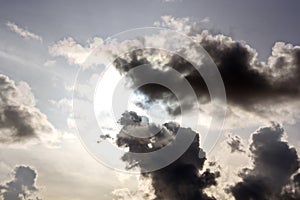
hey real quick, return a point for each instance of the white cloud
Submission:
(144, 191)
(74, 52)
(178, 24)
(23, 32)
(205, 20)
(95, 52)
(171, 1)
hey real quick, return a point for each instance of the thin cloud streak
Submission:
(23, 32)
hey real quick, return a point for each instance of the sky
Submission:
(50, 67)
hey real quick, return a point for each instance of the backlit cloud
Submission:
(275, 164)
(20, 120)
(22, 186)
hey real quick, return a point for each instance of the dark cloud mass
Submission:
(275, 164)
(185, 178)
(23, 185)
(249, 83)
(274, 174)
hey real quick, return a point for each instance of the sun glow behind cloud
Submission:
(156, 112)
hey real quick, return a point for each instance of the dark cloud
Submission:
(292, 191)
(273, 175)
(20, 120)
(274, 164)
(155, 92)
(185, 178)
(23, 185)
(249, 83)
(235, 144)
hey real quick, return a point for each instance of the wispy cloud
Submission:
(74, 52)
(171, 1)
(23, 32)
(205, 20)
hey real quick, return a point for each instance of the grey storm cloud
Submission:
(249, 83)
(20, 120)
(275, 165)
(22, 186)
(185, 178)
(274, 173)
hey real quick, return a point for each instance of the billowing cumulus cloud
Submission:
(273, 173)
(144, 191)
(249, 84)
(275, 164)
(263, 90)
(23, 32)
(20, 120)
(185, 178)
(252, 86)
(22, 186)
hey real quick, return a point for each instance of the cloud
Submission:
(49, 63)
(22, 186)
(23, 32)
(20, 120)
(171, 1)
(292, 191)
(260, 90)
(181, 179)
(274, 165)
(75, 53)
(96, 51)
(125, 193)
(183, 24)
(248, 83)
(273, 173)
(205, 20)
(235, 144)
(178, 24)
(144, 191)
(252, 86)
